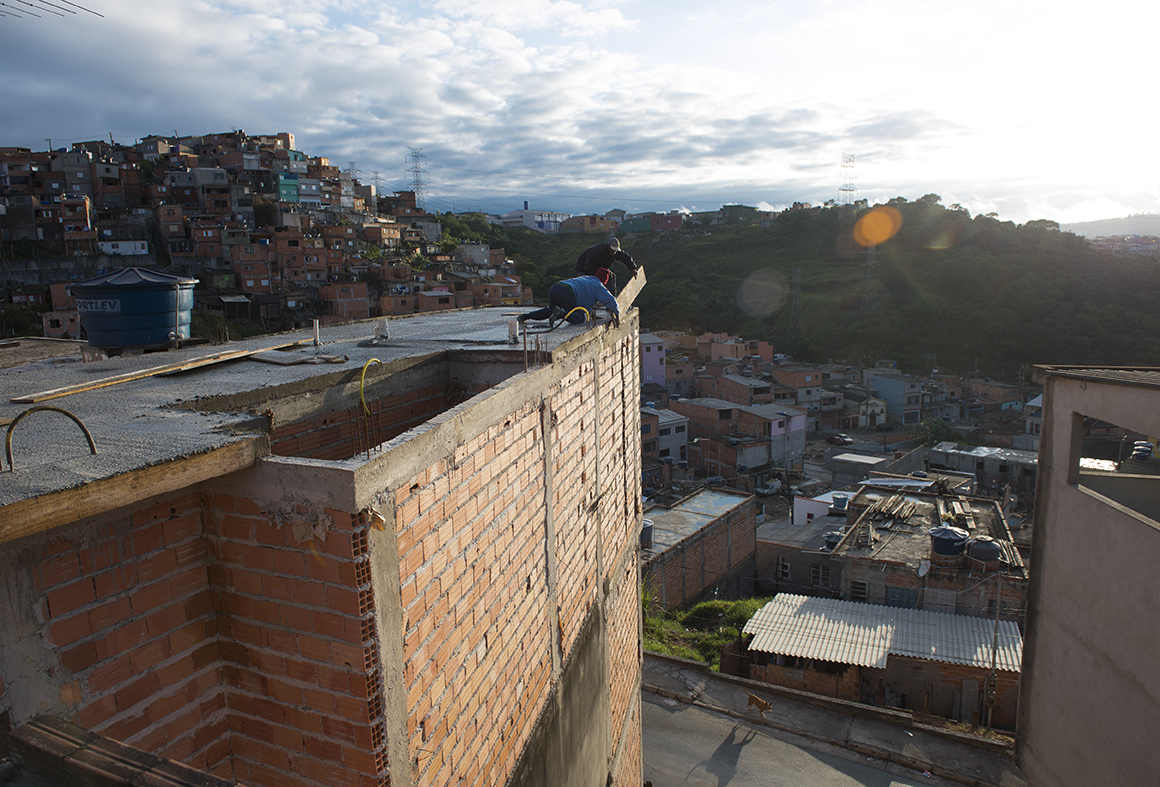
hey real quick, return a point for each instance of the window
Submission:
(782, 569)
(665, 432)
(679, 429)
(645, 428)
(819, 576)
(664, 453)
(858, 591)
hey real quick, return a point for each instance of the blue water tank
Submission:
(946, 540)
(134, 307)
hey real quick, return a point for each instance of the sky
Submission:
(1029, 109)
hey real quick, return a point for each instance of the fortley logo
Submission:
(95, 305)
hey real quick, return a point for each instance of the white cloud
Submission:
(629, 101)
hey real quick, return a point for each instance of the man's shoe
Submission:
(522, 318)
(556, 316)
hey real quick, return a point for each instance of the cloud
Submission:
(599, 100)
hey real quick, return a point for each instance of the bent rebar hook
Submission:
(29, 411)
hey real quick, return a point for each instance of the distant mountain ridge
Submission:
(1138, 224)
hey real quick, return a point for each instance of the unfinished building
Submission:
(404, 561)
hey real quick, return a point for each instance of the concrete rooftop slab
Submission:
(147, 422)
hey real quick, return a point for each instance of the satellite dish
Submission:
(923, 567)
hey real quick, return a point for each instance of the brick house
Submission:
(703, 546)
(346, 300)
(290, 590)
(886, 656)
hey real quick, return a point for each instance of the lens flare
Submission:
(944, 239)
(762, 293)
(878, 226)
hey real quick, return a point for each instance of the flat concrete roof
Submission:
(672, 525)
(804, 536)
(153, 420)
(906, 541)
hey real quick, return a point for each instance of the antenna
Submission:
(847, 196)
(417, 173)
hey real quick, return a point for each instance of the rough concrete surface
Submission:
(955, 758)
(146, 422)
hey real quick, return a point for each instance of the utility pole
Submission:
(989, 692)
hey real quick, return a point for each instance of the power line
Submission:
(44, 5)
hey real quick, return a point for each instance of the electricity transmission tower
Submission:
(847, 196)
(793, 334)
(417, 172)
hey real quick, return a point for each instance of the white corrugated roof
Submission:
(848, 632)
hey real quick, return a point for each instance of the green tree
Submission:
(934, 430)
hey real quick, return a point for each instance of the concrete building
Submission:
(730, 437)
(704, 545)
(652, 359)
(890, 556)
(1090, 702)
(415, 562)
(993, 468)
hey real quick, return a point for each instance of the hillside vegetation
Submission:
(952, 292)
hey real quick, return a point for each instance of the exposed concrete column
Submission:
(547, 418)
(389, 629)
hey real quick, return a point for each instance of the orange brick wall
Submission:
(201, 629)
(300, 661)
(846, 686)
(128, 615)
(720, 555)
(485, 626)
(345, 433)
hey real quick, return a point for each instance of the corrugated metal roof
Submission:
(848, 632)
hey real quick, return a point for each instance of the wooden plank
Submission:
(38, 514)
(156, 371)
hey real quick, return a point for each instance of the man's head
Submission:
(603, 274)
(614, 244)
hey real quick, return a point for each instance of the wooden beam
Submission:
(156, 371)
(38, 514)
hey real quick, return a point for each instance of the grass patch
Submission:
(698, 633)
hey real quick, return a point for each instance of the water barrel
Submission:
(832, 539)
(948, 541)
(134, 307)
(840, 502)
(984, 549)
(646, 534)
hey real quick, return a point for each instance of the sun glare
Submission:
(878, 226)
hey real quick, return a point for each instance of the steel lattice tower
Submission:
(847, 196)
(417, 173)
(793, 334)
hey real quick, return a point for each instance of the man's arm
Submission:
(627, 259)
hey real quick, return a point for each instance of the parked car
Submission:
(840, 439)
(885, 426)
(771, 488)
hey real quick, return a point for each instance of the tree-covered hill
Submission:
(952, 292)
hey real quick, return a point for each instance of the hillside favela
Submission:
(308, 483)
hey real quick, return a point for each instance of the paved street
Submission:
(688, 745)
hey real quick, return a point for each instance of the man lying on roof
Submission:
(575, 299)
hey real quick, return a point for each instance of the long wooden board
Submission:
(156, 371)
(37, 514)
